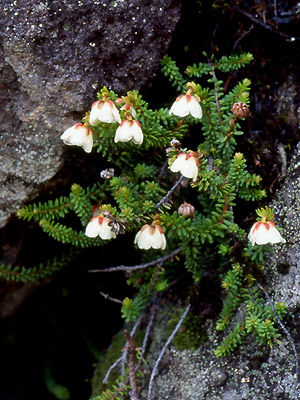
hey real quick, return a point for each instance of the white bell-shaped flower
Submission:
(129, 129)
(98, 226)
(187, 165)
(150, 236)
(104, 111)
(185, 105)
(264, 232)
(79, 135)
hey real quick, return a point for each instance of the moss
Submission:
(59, 391)
(106, 359)
(191, 334)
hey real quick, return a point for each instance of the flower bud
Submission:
(107, 173)
(240, 110)
(175, 143)
(187, 210)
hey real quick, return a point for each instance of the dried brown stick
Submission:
(107, 297)
(161, 354)
(140, 266)
(166, 197)
(131, 365)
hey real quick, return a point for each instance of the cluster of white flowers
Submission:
(262, 232)
(186, 163)
(105, 111)
(150, 236)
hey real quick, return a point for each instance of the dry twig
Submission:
(125, 268)
(166, 197)
(161, 354)
(131, 365)
(107, 297)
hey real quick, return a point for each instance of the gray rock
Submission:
(250, 372)
(53, 57)
(283, 270)
(199, 375)
(287, 106)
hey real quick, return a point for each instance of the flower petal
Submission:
(178, 163)
(137, 133)
(124, 132)
(195, 108)
(180, 107)
(92, 229)
(143, 239)
(105, 231)
(158, 239)
(93, 119)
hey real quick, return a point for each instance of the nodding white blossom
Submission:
(98, 226)
(185, 105)
(187, 165)
(264, 232)
(79, 135)
(129, 129)
(150, 236)
(104, 111)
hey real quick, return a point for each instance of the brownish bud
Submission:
(187, 210)
(240, 110)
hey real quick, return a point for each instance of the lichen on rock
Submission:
(53, 57)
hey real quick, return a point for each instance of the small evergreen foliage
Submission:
(59, 391)
(22, 274)
(143, 190)
(118, 391)
(258, 318)
(132, 308)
